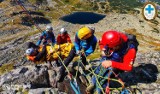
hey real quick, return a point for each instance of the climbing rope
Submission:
(119, 80)
(73, 81)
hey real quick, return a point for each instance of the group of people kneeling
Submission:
(118, 50)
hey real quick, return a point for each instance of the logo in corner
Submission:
(149, 11)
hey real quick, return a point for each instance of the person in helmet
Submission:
(84, 39)
(35, 53)
(118, 52)
(48, 37)
(63, 37)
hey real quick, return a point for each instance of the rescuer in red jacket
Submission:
(118, 52)
(63, 37)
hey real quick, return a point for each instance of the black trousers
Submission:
(70, 57)
(32, 45)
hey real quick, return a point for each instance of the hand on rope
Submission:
(107, 63)
(107, 90)
(70, 76)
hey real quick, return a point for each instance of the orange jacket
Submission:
(40, 56)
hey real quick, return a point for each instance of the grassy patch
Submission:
(154, 22)
(157, 49)
(4, 4)
(149, 41)
(7, 40)
(94, 56)
(17, 35)
(6, 68)
(155, 30)
(1, 89)
(123, 6)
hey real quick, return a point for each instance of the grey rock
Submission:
(52, 78)
(8, 92)
(38, 77)
(43, 91)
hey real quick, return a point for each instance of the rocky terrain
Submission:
(20, 76)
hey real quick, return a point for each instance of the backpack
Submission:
(132, 40)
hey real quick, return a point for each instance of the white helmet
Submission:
(29, 51)
(48, 28)
(63, 30)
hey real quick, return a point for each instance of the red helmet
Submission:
(111, 38)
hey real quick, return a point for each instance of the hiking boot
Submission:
(83, 80)
(90, 88)
(78, 68)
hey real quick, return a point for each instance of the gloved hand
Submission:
(107, 63)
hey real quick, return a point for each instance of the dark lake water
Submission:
(83, 18)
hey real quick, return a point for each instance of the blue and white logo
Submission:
(149, 11)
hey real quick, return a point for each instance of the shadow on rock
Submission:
(38, 20)
(146, 73)
(30, 12)
(1, 1)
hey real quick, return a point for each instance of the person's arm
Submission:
(58, 39)
(68, 39)
(77, 43)
(31, 45)
(128, 60)
(41, 54)
(40, 39)
(92, 46)
(53, 39)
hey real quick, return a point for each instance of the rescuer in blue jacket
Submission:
(84, 40)
(47, 36)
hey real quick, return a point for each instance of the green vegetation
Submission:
(1, 89)
(154, 22)
(123, 6)
(94, 56)
(155, 30)
(147, 40)
(6, 68)
(37, 1)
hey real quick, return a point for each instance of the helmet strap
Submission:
(108, 52)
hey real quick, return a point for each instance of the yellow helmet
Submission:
(84, 33)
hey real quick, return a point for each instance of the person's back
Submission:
(47, 36)
(63, 37)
